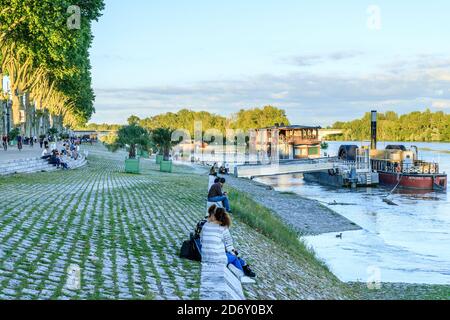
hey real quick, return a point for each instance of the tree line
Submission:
(416, 126)
(44, 60)
(184, 119)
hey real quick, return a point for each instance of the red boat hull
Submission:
(414, 181)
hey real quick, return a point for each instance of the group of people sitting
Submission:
(56, 157)
(71, 149)
(212, 236)
(223, 169)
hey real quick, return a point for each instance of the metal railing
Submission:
(419, 167)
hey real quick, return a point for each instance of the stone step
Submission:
(33, 165)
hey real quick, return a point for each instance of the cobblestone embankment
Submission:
(124, 233)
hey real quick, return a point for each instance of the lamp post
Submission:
(8, 117)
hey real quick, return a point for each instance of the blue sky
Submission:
(319, 60)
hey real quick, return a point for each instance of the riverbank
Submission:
(306, 216)
(387, 291)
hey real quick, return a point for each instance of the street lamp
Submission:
(8, 117)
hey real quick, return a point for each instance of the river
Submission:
(408, 243)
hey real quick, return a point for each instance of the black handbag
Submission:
(189, 250)
(186, 249)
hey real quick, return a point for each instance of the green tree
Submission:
(418, 126)
(162, 139)
(131, 137)
(259, 118)
(133, 120)
(46, 60)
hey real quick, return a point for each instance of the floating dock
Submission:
(337, 171)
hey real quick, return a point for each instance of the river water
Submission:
(408, 243)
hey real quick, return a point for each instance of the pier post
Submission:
(373, 141)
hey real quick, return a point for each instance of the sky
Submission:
(321, 61)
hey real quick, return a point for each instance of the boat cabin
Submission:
(294, 142)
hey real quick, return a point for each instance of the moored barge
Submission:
(400, 167)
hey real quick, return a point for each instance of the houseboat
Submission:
(292, 142)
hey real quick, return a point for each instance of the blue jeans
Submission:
(222, 199)
(236, 261)
(232, 259)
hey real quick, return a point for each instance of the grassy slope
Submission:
(400, 291)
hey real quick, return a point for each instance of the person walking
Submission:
(5, 142)
(41, 141)
(19, 142)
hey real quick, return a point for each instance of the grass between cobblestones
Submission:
(124, 232)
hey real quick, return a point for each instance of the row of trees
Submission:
(244, 119)
(99, 127)
(155, 133)
(134, 136)
(44, 56)
(416, 126)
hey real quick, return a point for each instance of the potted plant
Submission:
(144, 153)
(131, 137)
(159, 157)
(162, 138)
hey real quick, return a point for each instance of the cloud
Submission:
(441, 104)
(343, 55)
(308, 98)
(307, 60)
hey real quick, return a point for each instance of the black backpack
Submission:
(189, 250)
(199, 227)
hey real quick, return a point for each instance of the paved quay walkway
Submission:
(13, 153)
(123, 233)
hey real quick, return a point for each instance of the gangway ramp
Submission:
(285, 167)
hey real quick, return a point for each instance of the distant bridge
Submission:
(328, 132)
(98, 133)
